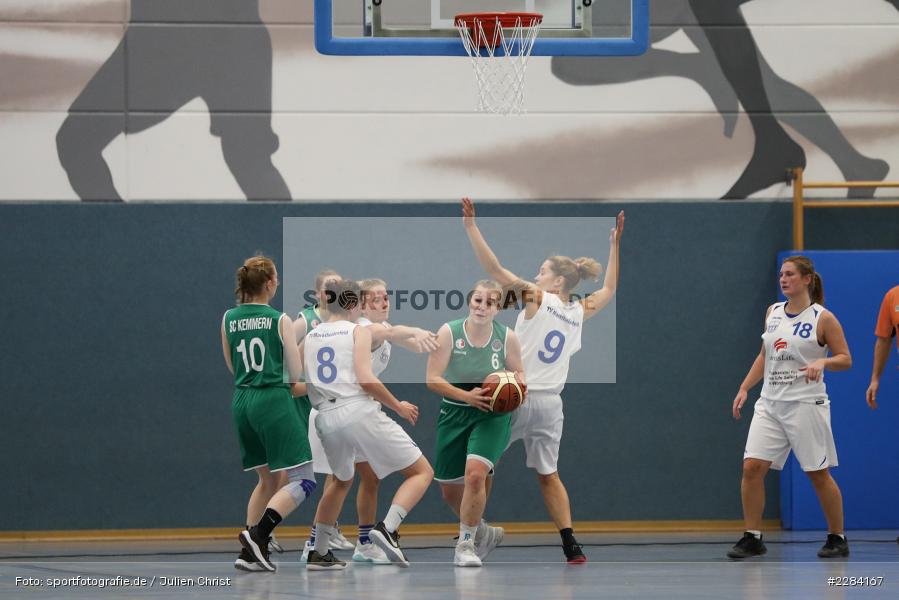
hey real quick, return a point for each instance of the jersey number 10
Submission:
(249, 358)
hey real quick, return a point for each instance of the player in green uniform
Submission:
(471, 438)
(271, 429)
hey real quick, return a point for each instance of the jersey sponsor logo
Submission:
(773, 322)
(780, 344)
(460, 343)
(496, 346)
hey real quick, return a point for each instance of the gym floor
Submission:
(645, 566)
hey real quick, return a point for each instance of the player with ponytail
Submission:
(549, 328)
(793, 410)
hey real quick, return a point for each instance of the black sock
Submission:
(267, 523)
(567, 536)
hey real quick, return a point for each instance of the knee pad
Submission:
(300, 482)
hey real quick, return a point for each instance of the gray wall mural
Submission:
(205, 100)
(734, 72)
(154, 71)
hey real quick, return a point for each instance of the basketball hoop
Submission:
(499, 45)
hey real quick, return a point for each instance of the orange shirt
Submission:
(888, 319)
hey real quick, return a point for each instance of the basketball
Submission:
(506, 390)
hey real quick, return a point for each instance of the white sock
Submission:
(482, 529)
(323, 535)
(394, 517)
(467, 533)
(756, 534)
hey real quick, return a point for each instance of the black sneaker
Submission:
(328, 562)
(246, 562)
(389, 543)
(749, 545)
(574, 554)
(834, 547)
(257, 547)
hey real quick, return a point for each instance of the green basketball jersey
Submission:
(311, 316)
(469, 365)
(257, 351)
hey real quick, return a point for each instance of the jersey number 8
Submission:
(327, 370)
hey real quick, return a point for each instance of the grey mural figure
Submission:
(732, 70)
(157, 69)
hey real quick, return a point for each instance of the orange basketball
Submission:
(506, 390)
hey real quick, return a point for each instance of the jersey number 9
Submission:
(554, 342)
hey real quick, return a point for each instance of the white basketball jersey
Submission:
(547, 342)
(328, 362)
(380, 356)
(791, 343)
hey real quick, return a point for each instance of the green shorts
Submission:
(271, 427)
(463, 432)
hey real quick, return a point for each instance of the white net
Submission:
(499, 46)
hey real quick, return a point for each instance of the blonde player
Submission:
(793, 411)
(374, 316)
(270, 428)
(350, 423)
(549, 328)
(470, 438)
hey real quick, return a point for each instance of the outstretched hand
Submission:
(467, 212)
(618, 230)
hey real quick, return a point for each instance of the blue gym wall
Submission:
(117, 401)
(867, 446)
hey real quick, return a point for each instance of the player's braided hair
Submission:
(252, 277)
(805, 266)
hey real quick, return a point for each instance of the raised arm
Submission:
(491, 264)
(369, 381)
(438, 361)
(596, 301)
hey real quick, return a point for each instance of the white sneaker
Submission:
(370, 553)
(274, 546)
(307, 548)
(339, 542)
(493, 537)
(466, 555)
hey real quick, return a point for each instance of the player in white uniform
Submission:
(549, 328)
(375, 312)
(308, 319)
(350, 423)
(793, 411)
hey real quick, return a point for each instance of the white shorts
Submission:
(538, 423)
(361, 429)
(780, 425)
(319, 460)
